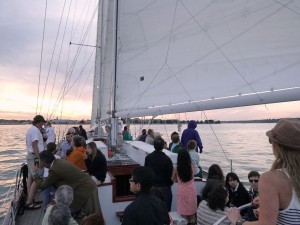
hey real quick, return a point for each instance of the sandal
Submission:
(32, 206)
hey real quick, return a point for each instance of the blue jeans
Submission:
(48, 195)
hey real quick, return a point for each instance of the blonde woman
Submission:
(279, 188)
(95, 163)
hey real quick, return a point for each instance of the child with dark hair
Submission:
(191, 148)
(214, 207)
(176, 145)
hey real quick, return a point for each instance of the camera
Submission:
(36, 161)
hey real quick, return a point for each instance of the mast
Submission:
(114, 119)
(95, 117)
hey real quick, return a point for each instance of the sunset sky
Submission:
(65, 90)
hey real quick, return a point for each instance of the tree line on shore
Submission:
(139, 121)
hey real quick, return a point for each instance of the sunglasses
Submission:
(252, 181)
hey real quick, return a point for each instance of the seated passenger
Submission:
(126, 135)
(146, 208)
(171, 143)
(95, 163)
(215, 176)
(143, 136)
(63, 195)
(191, 148)
(77, 155)
(238, 195)
(253, 178)
(150, 137)
(59, 215)
(176, 145)
(214, 207)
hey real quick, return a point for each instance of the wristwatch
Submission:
(240, 222)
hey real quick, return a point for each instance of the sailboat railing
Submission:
(240, 208)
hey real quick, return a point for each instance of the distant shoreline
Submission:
(137, 121)
(23, 122)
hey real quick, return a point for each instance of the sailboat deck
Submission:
(32, 217)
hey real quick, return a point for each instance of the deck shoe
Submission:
(32, 206)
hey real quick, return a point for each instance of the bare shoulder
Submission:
(273, 174)
(268, 179)
(276, 183)
(275, 177)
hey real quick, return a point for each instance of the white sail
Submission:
(104, 64)
(179, 56)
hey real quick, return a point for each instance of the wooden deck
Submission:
(32, 217)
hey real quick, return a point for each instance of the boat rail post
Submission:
(231, 165)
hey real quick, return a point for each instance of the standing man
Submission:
(49, 133)
(83, 132)
(66, 145)
(35, 145)
(191, 134)
(162, 167)
(146, 208)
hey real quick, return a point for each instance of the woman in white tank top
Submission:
(279, 188)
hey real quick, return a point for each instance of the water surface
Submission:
(245, 144)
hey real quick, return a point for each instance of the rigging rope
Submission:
(57, 33)
(41, 60)
(64, 89)
(69, 70)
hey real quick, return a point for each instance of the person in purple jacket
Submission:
(191, 134)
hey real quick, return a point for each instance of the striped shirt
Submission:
(290, 215)
(206, 216)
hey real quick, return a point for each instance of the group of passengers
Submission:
(279, 189)
(176, 143)
(277, 203)
(81, 168)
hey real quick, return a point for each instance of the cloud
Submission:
(21, 25)
(68, 79)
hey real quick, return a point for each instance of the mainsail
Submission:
(172, 56)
